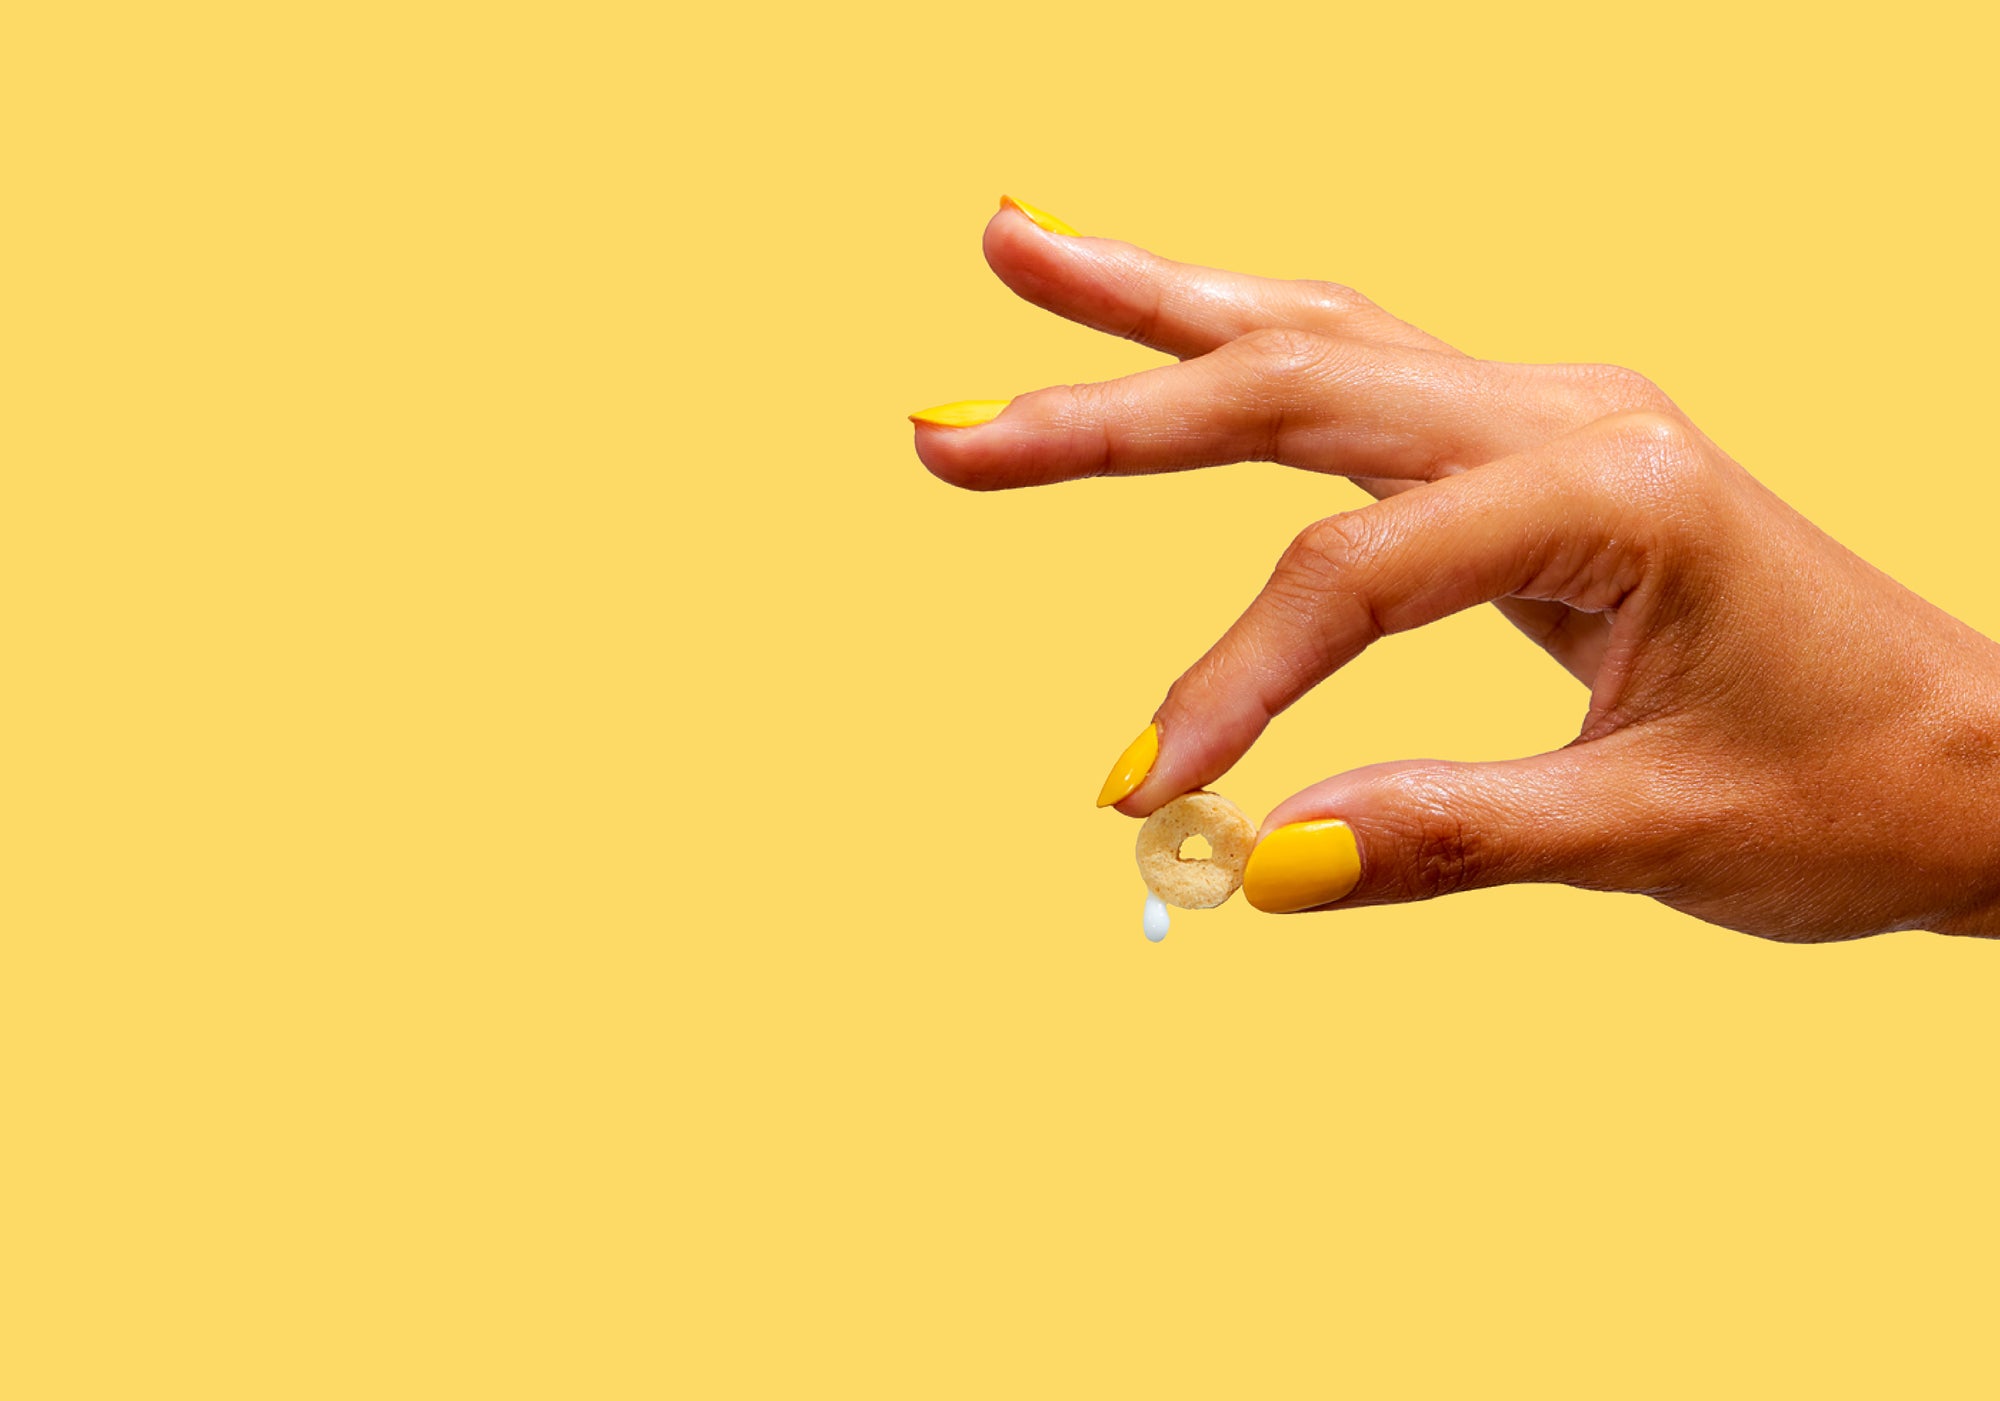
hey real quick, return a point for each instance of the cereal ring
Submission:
(1202, 882)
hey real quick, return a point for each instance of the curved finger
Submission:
(1540, 526)
(1179, 308)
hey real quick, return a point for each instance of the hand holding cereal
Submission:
(1779, 738)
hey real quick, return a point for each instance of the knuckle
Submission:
(1626, 391)
(1321, 579)
(1085, 399)
(1332, 297)
(1446, 852)
(1082, 423)
(1654, 452)
(1283, 353)
(1673, 490)
(1145, 299)
(1327, 547)
(1650, 430)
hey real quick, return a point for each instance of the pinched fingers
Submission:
(1579, 523)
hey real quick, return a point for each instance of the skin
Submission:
(1780, 738)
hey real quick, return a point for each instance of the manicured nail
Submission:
(1301, 865)
(966, 413)
(1042, 217)
(1132, 767)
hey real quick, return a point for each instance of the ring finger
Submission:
(1287, 396)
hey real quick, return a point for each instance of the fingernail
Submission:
(1301, 865)
(1043, 219)
(1132, 767)
(966, 413)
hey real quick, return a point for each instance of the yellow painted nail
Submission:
(1042, 217)
(1301, 865)
(966, 413)
(1132, 767)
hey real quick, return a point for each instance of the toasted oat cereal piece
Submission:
(1198, 883)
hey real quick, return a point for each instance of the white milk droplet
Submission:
(1155, 920)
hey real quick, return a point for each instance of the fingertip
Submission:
(1160, 787)
(1130, 770)
(1010, 242)
(944, 454)
(1037, 263)
(1194, 751)
(1152, 795)
(948, 442)
(1302, 866)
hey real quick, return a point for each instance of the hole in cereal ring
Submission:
(1164, 848)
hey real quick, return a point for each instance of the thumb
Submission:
(1422, 828)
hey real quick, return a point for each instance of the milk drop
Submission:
(1155, 920)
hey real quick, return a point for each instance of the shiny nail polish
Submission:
(1043, 219)
(1132, 767)
(1301, 865)
(966, 413)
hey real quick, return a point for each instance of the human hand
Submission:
(1780, 738)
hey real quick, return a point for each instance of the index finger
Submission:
(1178, 308)
(1537, 525)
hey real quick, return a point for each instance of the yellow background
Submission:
(545, 856)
